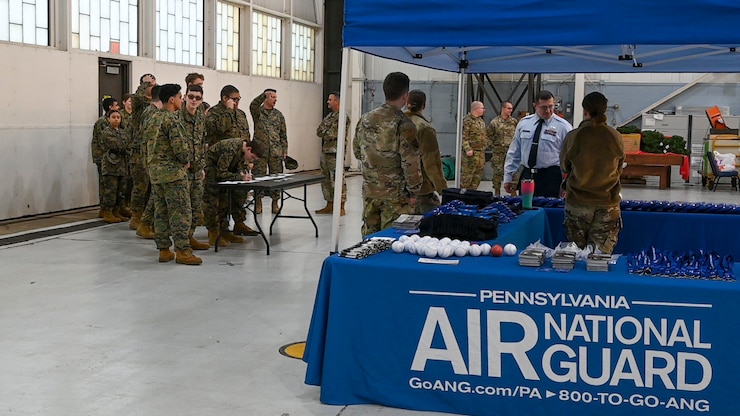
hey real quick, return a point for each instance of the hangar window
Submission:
(266, 45)
(227, 36)
(25, 21)
(179, 31)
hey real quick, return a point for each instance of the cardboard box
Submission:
(631, 142)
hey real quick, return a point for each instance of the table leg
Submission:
(280, 209)
(305, 207)
(257, 222)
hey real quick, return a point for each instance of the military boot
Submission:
(328, 209)
(342, 211)
(145, 231)
(243, 229)
(123, 212)
(258, 206)
(109, 218)
(198, 245)
(135, 219)
(213, 235)
(187, 257)
(231, 238)
(166, 255)
(100, 213)
(275, 206)
(115, 213)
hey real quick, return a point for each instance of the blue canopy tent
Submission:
(538, 36)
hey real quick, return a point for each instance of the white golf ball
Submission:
(474, 250)
(398, 247)
(510, 249)
(461, 251)
(485, 249)
(430, 251)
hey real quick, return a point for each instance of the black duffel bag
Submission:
(468, 196)
(459, 226)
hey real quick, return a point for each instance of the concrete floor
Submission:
(92, 324)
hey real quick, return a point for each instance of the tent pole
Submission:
(341, 136)
(458, 134)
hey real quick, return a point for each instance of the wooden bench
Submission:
(647, 164)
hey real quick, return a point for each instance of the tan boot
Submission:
(109, 218)
(328, 209)
(145, 231)
(166, 255)
(213, 235)
(123, 212)
(231, 238)
(258, 206)
(100, 213)
(187, 257)
(243, 229)
(275, 206)
(135, 219)
(342, 211)
(198, 245)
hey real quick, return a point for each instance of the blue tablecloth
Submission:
(667, 231)
(488, 337)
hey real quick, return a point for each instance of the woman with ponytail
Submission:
(431, 161)
(591, 159)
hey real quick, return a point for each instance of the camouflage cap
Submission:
(290, 163)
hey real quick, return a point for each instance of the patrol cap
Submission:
(290, 163)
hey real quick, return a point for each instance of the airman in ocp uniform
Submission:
(500, 134)
(474, 143)
(385, 144)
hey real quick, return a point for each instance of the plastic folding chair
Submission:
(717, 174)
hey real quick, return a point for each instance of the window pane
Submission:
(179, 28)
(304, 47)
(25, 21)
(227, 36)
(266, 45)
(105, 25)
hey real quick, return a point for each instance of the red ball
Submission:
(497, 250)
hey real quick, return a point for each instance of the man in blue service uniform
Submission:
(536, 148)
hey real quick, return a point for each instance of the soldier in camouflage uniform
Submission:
(142, 185)
(592, 156)
(193, 119)
(141, 101)
(227, 160)
(385, 144)
(474, 143)
(328, 132)
(431, 161)
(226, 120)
(269, 131)
(96, 149)
(168, 153)
(127, 111)
(500, 133)
(114, 143)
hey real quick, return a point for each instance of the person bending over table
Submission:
(592, 158)
(226, 160)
